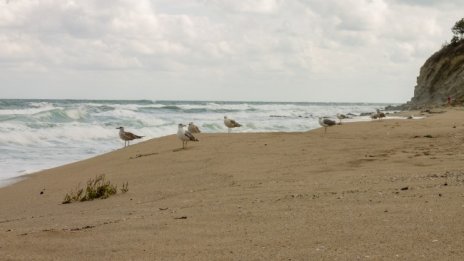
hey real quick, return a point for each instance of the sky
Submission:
(229, 50)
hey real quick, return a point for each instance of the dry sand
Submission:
(380, 190)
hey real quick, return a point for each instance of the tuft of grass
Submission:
(74, 195)
(98, 187)
(125, 187)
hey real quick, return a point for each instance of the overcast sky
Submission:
(254, 50)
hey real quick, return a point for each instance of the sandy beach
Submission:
(379, 190)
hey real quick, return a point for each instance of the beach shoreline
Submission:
(382, 189)
(42, 134)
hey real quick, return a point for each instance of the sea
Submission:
(42, 134)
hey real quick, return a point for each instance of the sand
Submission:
(380, 190)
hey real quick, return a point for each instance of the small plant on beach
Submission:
(98, 187)
(74, 195)
(125, 187)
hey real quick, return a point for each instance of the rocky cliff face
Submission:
(441, 76)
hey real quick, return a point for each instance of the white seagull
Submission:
(184, 135)
(325, 122)
(341, 117)
(380, 114)
(193, 128)
(377, 115)
(127, 136)
(231, 123)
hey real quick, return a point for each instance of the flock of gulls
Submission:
(186, 135)
(183, 134)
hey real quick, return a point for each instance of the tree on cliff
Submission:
(458, 31)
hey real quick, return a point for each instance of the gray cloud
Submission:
(221, 49)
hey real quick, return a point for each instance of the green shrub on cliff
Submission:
(458, 29)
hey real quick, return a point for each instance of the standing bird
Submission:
(324, 122)
(341, 117)
(377, 115)
(380, 114)
(127, 136)
(231, 123)
(193, 128)
(184, 135)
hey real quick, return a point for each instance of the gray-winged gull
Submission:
(230, 123)
(377, 115)
(193, 128)
(184, 135)
(127, 136)
(325, 122)
(341, 117)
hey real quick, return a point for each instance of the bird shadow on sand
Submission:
(182, 149)
(144, 155)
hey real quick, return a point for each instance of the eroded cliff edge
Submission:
(441, 76)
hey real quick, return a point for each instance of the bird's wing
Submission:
(329, 122)
(132, 136)
(235, 124)
(190, 136)
(193, 128)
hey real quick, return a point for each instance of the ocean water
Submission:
(41, 134)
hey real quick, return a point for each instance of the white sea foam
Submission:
(26, 111)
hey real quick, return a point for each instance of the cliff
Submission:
(441, 76)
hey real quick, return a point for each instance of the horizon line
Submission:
(186, 100)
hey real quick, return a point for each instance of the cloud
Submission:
(257, 6)
(449, 3)
(224, 42)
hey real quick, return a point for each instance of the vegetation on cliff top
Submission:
(454, 47)
(458, 31)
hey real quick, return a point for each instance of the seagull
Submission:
(127, 136)
(341, 117)
(324, 122)
(231, 123)
(380, 114)
(377, 115)
(184, 135)
(193, 128)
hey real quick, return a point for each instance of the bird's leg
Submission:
(228, 130)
